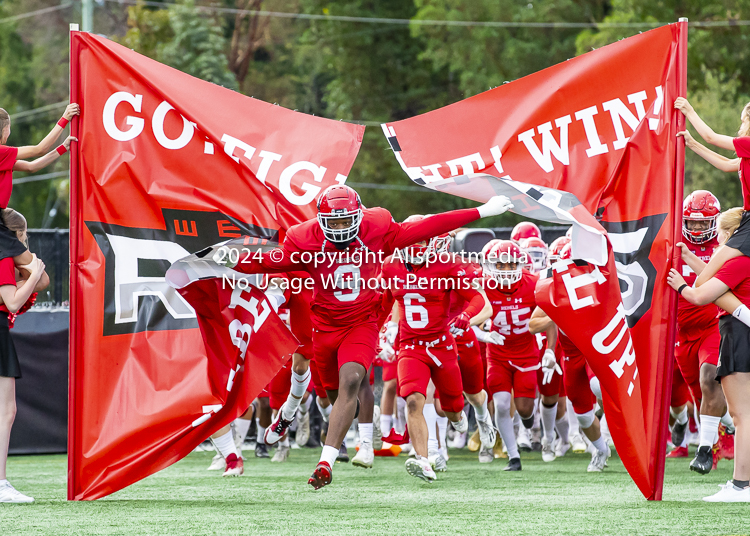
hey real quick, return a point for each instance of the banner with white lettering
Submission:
(167, 165)
(601, 127)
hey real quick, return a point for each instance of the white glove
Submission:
(488, 337)
(386, 353)
(391, 331)
(456, 332)
(549, 366)
(222, 257)
(495, 206)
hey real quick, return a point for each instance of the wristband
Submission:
(682, 287)
(63, 122)
(61, 150)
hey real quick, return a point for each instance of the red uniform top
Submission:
(569, 349)
(511, 312)
(346, 290)
(7, 276)
(736, 275)
(695, 318)
(458, 302)
(742, 147)
(8, 157)
(423, 293)
(298, 298)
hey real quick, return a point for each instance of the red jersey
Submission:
(346, 282)
(736, 275)
(458, 302)
(511, 312)
(695, 318)
(424, 292)
(8, 157)
(742, 147)
(7, 276)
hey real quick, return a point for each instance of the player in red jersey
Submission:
(513, 365)
(555, 248)
(422, 284)
(525, 229)
(343, 250)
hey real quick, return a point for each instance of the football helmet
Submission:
(336, 203)
(700, 206)
(536, 253)
(525, 229)
(556, 247)
(504, 252)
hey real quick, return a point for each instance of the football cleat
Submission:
(487, 433)
(235, 466)
(322, 476)
(474, 443)
(377, 433)
(598, 461)
(458, 441)
(365, 456)
(548, 452)
(261, 450)
(303, 429)
(499, 450)
(724, 447)
(462, 425)
(514, 464)
(437, 461)
(282, 453)
(486, 456)
(729, 493)
(678, 452)
(420, 468)
(678, 433)
(703, 461)
(561, 449)
(277, 429)
(523, 440)
(577, 443)
(217, 464)
(9, 494)
(343, 453)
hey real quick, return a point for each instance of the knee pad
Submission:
(586, 419)
(502, 402)
(596, 387)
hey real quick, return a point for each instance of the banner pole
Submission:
(73, 274)
(679, 179)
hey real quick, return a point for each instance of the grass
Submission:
(558, 498)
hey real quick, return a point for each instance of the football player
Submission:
(341, 250)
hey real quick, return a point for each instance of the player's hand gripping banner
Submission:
(168, 165)
(602, 128)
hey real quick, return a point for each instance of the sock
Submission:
(682, 417)
(740, 484)
(742, 313)
(481, 412)
(365, 432)
(329, 455)
(600, 444)
(431, 417)
(304, 407)
(548, 421)
(299, 386)
(709, 430)
(261, 432)
(285, 442)
(504, 422)
(324, 412)
(225, 444)
(386, 424)
(572, 419)
(528, 423)
(442, 423)
(727, 421)
(563, 428)
(241, 426)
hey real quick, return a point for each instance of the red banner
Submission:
(602, 127)
(167, 165)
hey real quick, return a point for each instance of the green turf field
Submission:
(559, 498)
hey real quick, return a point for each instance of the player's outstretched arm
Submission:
(706, 132)
(48, 143)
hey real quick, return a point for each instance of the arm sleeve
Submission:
(405, 234)
(475, 301)
(279, 259)
(742, 146)
(8, 157)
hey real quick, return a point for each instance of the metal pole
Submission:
(87, 15)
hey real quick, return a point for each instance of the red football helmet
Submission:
(504, 252)
(415, 254)
(525, 229)
(557, 246)
(567, 252)
(703, 207)
(440, 244)
(536, 253)
(336, 203)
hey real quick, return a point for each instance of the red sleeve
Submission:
(279, 259)
(8, 156)
(474, 298)
(386, 306)
(742, 146)
(734, 271)
(7, 272)
(400, 235)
